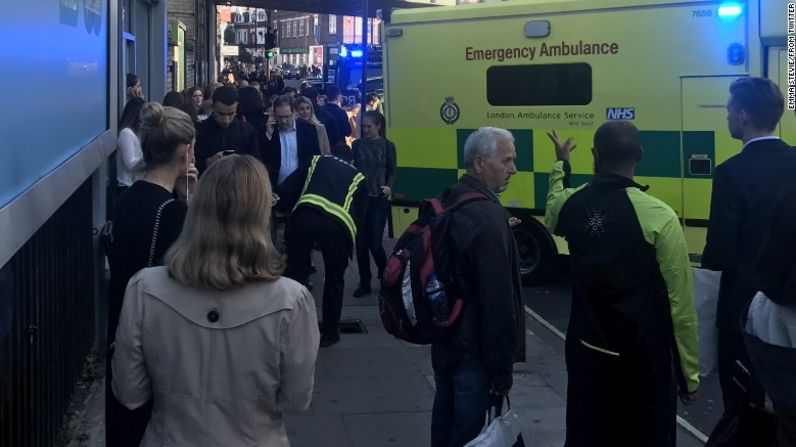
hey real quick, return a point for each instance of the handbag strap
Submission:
(154, 243)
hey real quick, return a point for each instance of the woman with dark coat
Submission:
(147, 218)
(375, 157)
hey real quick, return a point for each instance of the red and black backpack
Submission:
(404, 306)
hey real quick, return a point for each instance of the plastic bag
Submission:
(706, 297)
(500, 431)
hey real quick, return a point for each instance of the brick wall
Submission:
(196, 43)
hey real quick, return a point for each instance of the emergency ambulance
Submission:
(532, 66)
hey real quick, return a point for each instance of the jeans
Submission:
(369, 238)
(462, 396)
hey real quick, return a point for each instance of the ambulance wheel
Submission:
(538, 253)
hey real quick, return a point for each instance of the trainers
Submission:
(362, 290)
(328, 340)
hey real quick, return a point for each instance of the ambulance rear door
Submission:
(706, 143)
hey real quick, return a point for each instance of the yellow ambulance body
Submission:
(533, 66)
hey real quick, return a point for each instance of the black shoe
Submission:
(362, 290)
(328, 340)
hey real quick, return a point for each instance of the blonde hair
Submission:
(163, 130)
(225, 241)
(298, 100)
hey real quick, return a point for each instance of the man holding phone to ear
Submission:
(288, 144)
(224, 132)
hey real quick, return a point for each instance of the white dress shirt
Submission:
(769, 137)
(289, 149)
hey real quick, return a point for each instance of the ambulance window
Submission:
(539, 85)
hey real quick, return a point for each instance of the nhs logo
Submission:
(620, 113)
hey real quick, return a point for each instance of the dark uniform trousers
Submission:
(308, 227)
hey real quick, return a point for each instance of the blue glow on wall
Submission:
(54, 84)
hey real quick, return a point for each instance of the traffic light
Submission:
(270, 40)
(269, 54)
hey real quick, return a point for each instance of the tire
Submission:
(537, 250)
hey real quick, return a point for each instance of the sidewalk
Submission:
(372, 390)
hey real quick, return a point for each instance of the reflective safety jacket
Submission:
(330, 185)
(633, 293)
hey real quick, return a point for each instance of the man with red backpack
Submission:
(474, 364)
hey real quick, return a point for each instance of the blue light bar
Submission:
(343, 51)
(730, 10)
(356, 53)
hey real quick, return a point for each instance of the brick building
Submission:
(303, 35)
(193, 51)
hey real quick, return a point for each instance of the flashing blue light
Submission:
(343, 51)
(730, 10)
(356, 53)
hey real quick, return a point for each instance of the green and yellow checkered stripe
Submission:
(432, 159)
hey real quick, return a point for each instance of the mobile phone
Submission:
(228, 152)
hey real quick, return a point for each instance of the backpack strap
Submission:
(436, 205)
(466, 198)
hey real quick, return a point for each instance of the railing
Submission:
(47, 316)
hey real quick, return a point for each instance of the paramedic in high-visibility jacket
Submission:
(632, 337)
(328, 199)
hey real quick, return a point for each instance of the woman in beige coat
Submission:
(302, 106)
(217, 338)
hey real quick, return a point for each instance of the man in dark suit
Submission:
(746, 188)
(342, 126)
(288, 143)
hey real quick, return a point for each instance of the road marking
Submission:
(683, 423)
(691, 429)
(545, 323)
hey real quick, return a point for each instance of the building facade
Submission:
(189, 64)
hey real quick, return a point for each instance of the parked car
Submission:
(290, 71)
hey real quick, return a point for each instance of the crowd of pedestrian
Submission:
(203, 276)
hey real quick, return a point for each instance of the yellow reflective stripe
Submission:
(604, 351)
(315, 159)
(352, 189)
(331, 208)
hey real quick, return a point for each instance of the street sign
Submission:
(230, 50)
(296, 50)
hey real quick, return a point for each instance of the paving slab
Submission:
(315, 431)
(370, 362)
(389, 429)
(390, 394)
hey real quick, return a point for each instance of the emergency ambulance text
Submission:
(578, 48)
